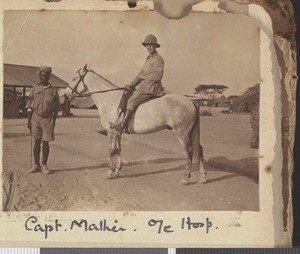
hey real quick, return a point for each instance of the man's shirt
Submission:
(44, 101)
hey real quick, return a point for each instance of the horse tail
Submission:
(195, 137)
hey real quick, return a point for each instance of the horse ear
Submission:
(85, 67)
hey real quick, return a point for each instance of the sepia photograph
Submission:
(124, 126)
(130, 111)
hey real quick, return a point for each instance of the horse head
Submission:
(77, 87)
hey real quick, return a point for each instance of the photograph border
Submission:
(237, 228)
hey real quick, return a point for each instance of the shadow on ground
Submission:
(133, 163)
(15, 135)
(82, 116)
(246, 167)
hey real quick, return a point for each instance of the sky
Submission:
(202, 48)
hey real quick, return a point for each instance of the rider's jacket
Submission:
(149, 78)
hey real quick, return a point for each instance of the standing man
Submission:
(43, 107)
(148, 80)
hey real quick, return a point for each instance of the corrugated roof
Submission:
(28, 76)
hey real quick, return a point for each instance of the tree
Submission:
(232, 97)
(210, 91)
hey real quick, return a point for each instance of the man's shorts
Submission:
(42, 128)
(136, 99)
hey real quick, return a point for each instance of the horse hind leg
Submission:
(187, 146)
(202, 164)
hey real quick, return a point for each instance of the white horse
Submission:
(170, 111)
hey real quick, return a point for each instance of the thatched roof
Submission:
(27, 76)
(247, 100)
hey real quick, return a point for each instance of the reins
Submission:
(100, 91)
(88, 94)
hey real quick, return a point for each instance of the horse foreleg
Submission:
(112, 165)
(112, 150)
(118, 162)
(115, 150)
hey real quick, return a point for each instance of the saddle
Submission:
(122, 107)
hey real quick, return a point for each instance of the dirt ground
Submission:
(153, 167)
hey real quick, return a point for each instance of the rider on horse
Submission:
(148, 81)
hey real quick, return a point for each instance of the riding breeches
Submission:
(136, 99)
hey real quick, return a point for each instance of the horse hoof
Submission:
(109, 175)
(184, 182)
(114, 175)
(202, 180)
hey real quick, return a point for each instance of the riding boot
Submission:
(120, 128)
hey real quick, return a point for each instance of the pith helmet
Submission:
(150, 39)
(45, 69)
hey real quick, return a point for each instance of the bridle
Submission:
(85, 92)
(81, 80)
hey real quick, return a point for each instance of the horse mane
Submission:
(106, 80)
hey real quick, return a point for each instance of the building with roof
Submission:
(17, 81)
(222, 101)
